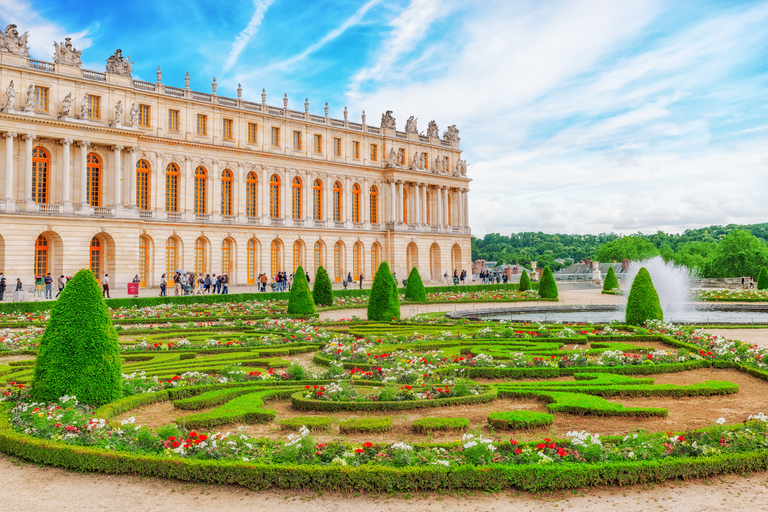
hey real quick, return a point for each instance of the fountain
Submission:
(672, 283)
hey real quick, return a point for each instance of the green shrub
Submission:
(511, 420)
(365, 425)
(300, 300)
(311, 422)
(415, 289)
(384, 304)
(424, 425)
(525, 281)
(643, 302)
(547, 286)
(323, 291)
(610, 283)
(762, 279)
(79, 354)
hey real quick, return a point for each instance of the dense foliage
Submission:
(643, 302)
(626, 248)
(525, 281)
(762, 279)
(322, 293)
(547, 285)
(610, 283)
(300, 301)
(415, 289)
(383, 304)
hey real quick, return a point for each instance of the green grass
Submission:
(425, 425)
(512, 420)
(365, 425)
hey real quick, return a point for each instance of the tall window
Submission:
(338, 273)
(356, 203)
(172, 189)
(201, 182)
(337, 202)
(142, 184)
(94, 107)
(317, 200)
(173, 120)
(227, 130)
(250, 194)
(251, 133)
(374, 206)
(274, 197)
(357, 262)
(200, 263)
(251, 262)
(226, 192)
(296, 198)
(144, 116)
(276, 257)
(171, 257)
(202, 124)
(93, 176)
(401, 157)
(336, 146)
(297, 140)
(298, 254)
(41, 256)
(319, 255)
(318, 143)
(143, 260)
(426, 161)
(275, 136)
(226, 256)
(356, 150)
(96, 258)
(375, 257)
(374, 152)
(41, 162)
(41, 98)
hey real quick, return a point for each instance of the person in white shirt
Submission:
(105, 286)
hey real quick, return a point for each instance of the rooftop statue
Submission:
(11, 42)
(451, 134)
(65, 53)
(461, 168)
(410, 125)
(387, 121)
(119, 66)
(432, 131)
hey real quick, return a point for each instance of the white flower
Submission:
(129, 421)
(720, 421)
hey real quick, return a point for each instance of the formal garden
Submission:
(257, 390)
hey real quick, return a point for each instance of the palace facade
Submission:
(129, 177)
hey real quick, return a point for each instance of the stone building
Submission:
(132, 177)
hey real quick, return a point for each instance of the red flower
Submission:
(307, 387)
(203, 437)
(541, 446)
(512, 441)
(176, 444)
(172, 438)
(359, 450)
(193, 434)
(518, 451)
(561, 452)
(321, 446)
(319, 393)
(368, 445)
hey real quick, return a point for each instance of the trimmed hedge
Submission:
(511, 420)
(307, 404)
(322, 293)
(384, 304)
(300, 301)
(525, 281)
(426, 425)
(414, 290)
(311, 422)
(248, 408)
(610, 283)
(547, 285)
(365, 425)
(762, 279)
(643, 302)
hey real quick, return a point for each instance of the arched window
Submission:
(356, 203)
(226, 192)
(298, 254)
(405, 205)
(276, 257)
(41, 163)
(375, 257)
(172, 190)
(200, 259)
(296, 198)
(357, 260)
(338, 260)
(93, 172)
(251, 263)
(171, 257)
(226, 256)
(374, 206)
(250, 194)
(319, 255)
(317, 200)
(337, 201)
(201, 183)
(41, 256)
(142, 184)
(143, 260)
(96, 258)
(274, 197)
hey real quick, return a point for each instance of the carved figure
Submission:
(387, 121)
(432, 131)
(416, 163)
(438, 165)
(451, 134)
(10, 95)
(84, 107)
(119, 112)
(12, 43)
(392, 159)
(119, 66)
(66, 53)
(422, 161)
(410, 125)
(134, 115)
(463, 167)
(29, 104)
(66, 106)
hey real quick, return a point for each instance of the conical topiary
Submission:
(643, 302)
(383, 304)
(525, 282)
(322, 293)
(79, 355)
(547, 285)
(762, 279)
(300, 300)
(610, 283)
(415, 289)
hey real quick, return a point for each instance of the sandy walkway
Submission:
(756, 336)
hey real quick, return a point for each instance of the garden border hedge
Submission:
(306, 404)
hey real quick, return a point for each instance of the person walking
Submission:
(263, 280)
(163, 285)
(445, 278)
(207, 285)
(2, 285)
(48, 280)
(361, 281)
(176, 283)
(290, 281)
(134, 280)
(225, 283)
(105, 286)
(219, 279)
(19, 286)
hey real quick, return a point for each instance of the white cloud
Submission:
(248, 33)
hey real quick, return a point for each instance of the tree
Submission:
(415, 289)
(762, 279)
(322, 293)
(626, 248)
(610, 283)
(383, 304)
(525, 282)
(547, 285)
(79, 354)
(740, 253)
(300, 301)
(643, 302)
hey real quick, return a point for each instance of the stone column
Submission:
(346, 204)
(392, 202)
(400, 202)
(328, 200)
(417, 204)
(238, 192)
(424, 204)
(365, 203)
(65, 172)
(263, 191)
(116, 198)
(9, 168)
(214, 187)
(466, 208)
(446, 213)
(133, 150)
(307, 184)
(286, 189)
(28, 168)
(439, 203)
(84, 171)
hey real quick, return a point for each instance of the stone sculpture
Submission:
(416, 163)
(432, 131)
(10, 96)
(65, 53)
(13, 43)
(134, 115)
(119, 66)
(451, 134)
(461, 168)
(392, 159)
(387, 121)
(84, 107)
(119, 112)
(29, 103)
(66, 106)
(410, 125)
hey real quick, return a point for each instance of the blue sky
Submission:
(578, 116)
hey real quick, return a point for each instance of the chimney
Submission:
(624, 265)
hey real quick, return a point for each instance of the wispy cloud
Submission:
(243, 38)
